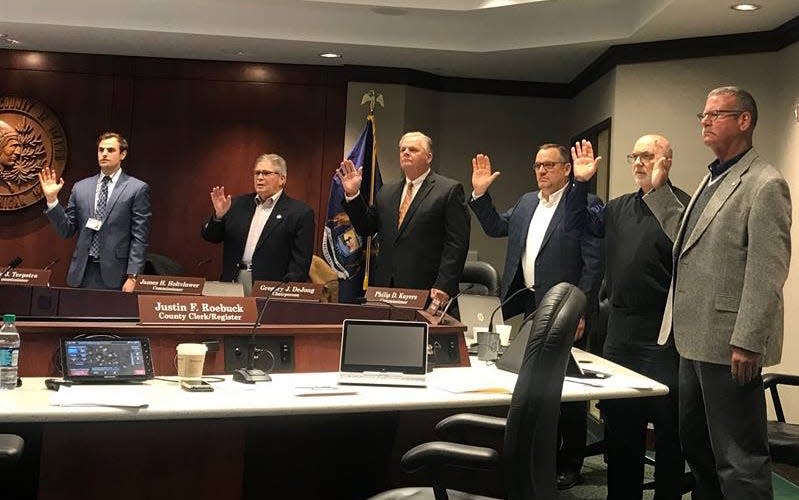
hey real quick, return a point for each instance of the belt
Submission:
(244, 267)
(94, 260)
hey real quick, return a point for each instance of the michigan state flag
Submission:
(345, 251)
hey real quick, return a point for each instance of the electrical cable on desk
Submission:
(209, 379)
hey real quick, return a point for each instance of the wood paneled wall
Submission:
(191, 125)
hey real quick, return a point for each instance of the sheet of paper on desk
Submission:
(133, 396)
(457, 381)
(616, 381)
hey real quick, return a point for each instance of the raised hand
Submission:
(660, 172)
(584, 165)
(351, 177)
(51, 184)
(220, 202)
(482, 177)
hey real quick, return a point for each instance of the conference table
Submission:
(269, 440)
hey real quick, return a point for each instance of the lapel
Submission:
(528, 209)
(427, 186)
(556, 217)
(276, 218)
(89, 198)
(726, 187)
(394, 203)
(116, 193)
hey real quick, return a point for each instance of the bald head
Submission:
(647, 151)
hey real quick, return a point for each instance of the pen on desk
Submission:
(317, 387)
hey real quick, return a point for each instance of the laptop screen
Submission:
(384, 346)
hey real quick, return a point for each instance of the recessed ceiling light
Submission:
(745, 7)
(330, 55)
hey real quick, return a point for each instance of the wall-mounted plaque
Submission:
(398, 297)
(183, 310)
(27, 277)
(169, 284)
(310, 292)
(31, 138)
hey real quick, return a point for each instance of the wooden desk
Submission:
(251, 441)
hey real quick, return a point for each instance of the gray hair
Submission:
(427, 140)
(277, 162)
(745, 100)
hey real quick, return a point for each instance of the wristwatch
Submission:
(132, 276)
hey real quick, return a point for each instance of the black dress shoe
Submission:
(569, 478)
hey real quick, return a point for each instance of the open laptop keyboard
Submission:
(378, 378)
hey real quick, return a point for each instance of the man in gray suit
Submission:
(110, 212)
(725, 304)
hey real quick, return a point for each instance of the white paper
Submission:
(102, 395)
(459, 381)
(616, 381)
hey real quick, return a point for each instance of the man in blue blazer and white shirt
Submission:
(110, 213)
(542, 253)
(732, 249)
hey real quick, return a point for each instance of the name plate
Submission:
(308, 292)
(172, 310)
(27, 277)
(169, 284)
(399, 297)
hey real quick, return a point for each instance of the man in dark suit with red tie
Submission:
(422, 220)
(267, 234)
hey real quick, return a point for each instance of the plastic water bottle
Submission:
(9, 352)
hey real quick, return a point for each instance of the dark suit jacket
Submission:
(429, 249)
(124, 235)
(564, 255)
(284, 249)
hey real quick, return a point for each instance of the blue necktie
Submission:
(99, 214)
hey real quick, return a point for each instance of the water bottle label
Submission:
(9, 357)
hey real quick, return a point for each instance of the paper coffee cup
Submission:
(191, 358)
(504, 333)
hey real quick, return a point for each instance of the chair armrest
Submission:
(437, 454)
(774, 379)
(11, 447)
(463, 426)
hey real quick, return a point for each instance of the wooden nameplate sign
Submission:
(27, 277)
(405, 298)
(179, 285)
(199, 310)
(307, 292)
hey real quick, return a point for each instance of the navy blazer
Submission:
(565, 255)
(284, 249)
(124, 235)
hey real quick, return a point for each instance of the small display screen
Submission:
(384, 346)
(107, 359)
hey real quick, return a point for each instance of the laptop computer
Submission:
(376, 352)
(475, 310)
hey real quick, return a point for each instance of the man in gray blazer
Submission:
(725, 304)
(110, 212)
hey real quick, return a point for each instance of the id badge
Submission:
(94, 224)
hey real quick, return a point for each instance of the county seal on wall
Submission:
(31, 138)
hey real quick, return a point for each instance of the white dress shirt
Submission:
(263, 209)
(535, 234)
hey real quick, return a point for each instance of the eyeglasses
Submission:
(265, 173)
(547, 165)
(644, 157)
(719, 113)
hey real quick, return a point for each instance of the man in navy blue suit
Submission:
(542, 253)
(110, 213)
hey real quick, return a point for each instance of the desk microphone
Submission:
(517, 292)
(51, 264)
(11, 265)
(251, 375)
(451, 300)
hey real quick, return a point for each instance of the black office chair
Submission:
(11, 447)
(530, 430)
(482, 276)
(161, 265)
(783, 438)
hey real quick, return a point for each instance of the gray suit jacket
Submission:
(727, 287)
(123, 237)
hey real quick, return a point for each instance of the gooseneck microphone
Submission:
(517, 292)
(452, 299)
(51, 264)
(250, 374)
(16, 261)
